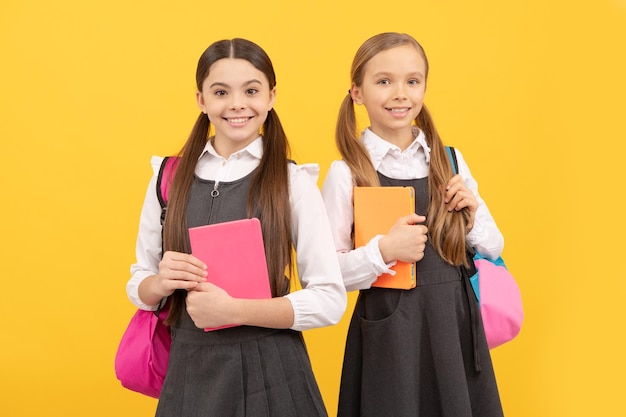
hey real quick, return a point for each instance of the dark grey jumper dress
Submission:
(239, 371)
(420, 352)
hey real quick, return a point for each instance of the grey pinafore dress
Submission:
(239, 371)
(419, 352)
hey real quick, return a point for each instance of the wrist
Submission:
(385, 250)
(156, 288)
(146, 292)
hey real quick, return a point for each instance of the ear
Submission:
(272, 98)
(200, 101)
(355, 93)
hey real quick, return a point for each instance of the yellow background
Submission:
(531, 91)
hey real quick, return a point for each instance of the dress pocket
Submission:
(380, 304)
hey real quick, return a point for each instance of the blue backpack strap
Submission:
(472, 272)
(164, 180)
(452, 155)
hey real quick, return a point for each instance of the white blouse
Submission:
(360, 267)
(322, 299)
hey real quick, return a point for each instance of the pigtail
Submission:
(175, 235)
(446, 230)
(269, 194)
(352, 150)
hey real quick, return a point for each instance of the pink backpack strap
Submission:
(164, 180)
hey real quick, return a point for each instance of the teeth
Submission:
(239, 120)
(399, 110)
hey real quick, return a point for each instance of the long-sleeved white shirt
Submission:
(322, 299)
(361, 266)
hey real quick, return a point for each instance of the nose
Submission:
(237, 101)
(400, 92)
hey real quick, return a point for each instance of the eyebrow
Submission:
(247, 83)
(387, 74)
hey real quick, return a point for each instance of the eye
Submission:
(220, 93)
(251, 91)
(384, 81)
(414, 81)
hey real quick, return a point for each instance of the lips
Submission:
(238, 120)
(399, 113)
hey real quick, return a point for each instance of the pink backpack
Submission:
(143, 353)
(499, 299)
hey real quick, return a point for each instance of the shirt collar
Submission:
(254, 149)
(378, 148)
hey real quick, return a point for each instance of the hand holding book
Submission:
(405, 241)
(383, 210)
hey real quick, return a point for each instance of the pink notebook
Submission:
(235, 257)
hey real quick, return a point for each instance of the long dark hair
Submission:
(269, 193)
(446, 230)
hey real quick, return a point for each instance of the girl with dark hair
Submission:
(242, 170)
(417, 352)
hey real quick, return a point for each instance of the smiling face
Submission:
(392, 91)
(236, 97)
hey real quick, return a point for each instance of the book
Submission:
(234, 254)
(376, 209)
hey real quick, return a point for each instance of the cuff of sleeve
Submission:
(373, 254)
(301, 321)
(298, 324)
(310, 313)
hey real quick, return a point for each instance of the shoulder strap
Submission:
(452, 155)
(164, 180)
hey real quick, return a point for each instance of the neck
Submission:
(226, 148)
(401, 138)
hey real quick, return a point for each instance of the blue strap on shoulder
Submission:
(449, 150)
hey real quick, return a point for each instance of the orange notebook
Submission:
(235, 257)
(376, 209)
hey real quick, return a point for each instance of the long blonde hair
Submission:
(269, 192)
(446, 230)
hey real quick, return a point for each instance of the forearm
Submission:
(276, 313)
